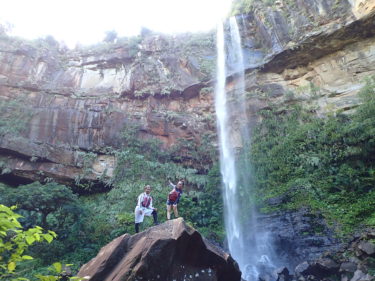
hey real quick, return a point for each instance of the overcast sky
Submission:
(85, 21)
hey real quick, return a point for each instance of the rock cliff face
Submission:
(81, 101)
(298, 236)
(311, 52)
(354, 262)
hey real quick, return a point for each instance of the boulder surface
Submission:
(170, 251)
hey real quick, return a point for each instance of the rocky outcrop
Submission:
(75, 102)
(349, 263)
(83, 101)
(319, 63)
(352, 263)
(285, 34)
(298, 236)
(170, 251)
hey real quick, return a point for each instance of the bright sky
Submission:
(85, 21)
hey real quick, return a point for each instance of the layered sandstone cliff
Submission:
(81, 101)
(72, 102)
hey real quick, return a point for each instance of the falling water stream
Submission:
(247, 243)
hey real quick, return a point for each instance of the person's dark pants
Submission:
(154, 215)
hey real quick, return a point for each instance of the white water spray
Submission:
(247, 244)
(227, 166)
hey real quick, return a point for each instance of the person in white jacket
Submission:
(144, 208)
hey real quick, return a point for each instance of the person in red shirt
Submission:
(174, 198)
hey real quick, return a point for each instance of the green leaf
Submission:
(11, 266)
(27, 257)
(48, 237)
(52, 233)
(37, 236)
(58, 267)
(30, 240)
(47, 277)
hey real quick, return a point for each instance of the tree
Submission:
(41, 200)
(14, 242)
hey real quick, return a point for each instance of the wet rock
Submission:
(328, 265)
(273, 90)
(361, 276)
(354, 260)
(302, 269)
(318, 269)
(355, 268)
(348, 267)
(169, 251)
(282, 274)
(294, 239)
(265, 277)
(367, 247)
(278, 200)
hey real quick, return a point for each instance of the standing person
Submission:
(144, 208)
(174, 198)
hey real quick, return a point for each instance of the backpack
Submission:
(173, 195)
(146, 201)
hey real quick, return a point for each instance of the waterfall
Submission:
(247, 243)
(227, 166)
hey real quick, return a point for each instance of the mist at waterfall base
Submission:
(247, 243)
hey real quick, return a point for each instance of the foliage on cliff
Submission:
(14, 116)
(327, 164)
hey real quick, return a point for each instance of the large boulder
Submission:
(170, 251)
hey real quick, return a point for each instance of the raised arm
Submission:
(172, 185)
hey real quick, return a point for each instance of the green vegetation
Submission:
(326, 164)
(38, 202)
(242, 6)
(246, 6)
(14, 116)
(200, 48)
(144, 162)
(55, 207)
(84, 223)
(206, 91)
(87, 160)
(14, 244)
